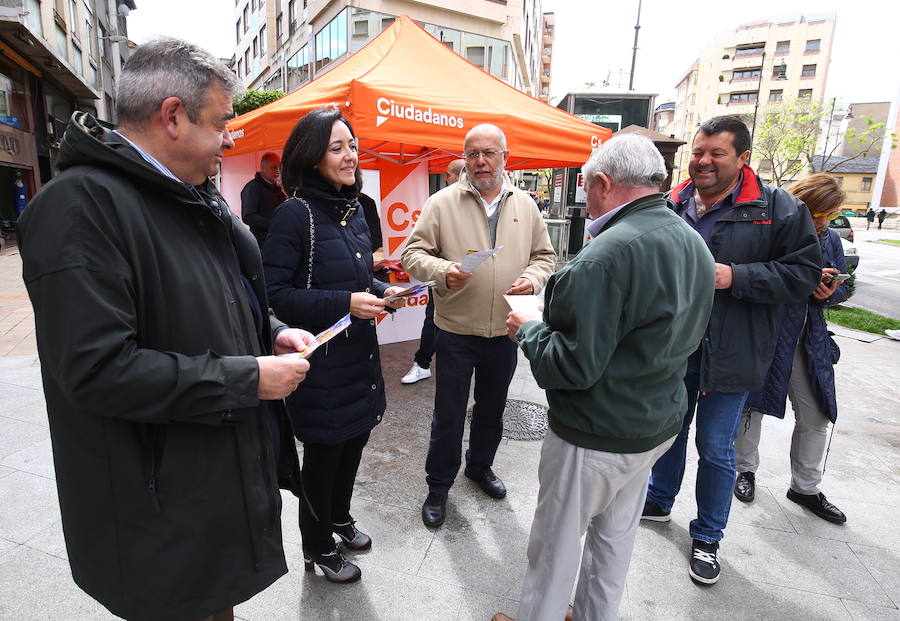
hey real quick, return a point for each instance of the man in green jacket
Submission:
(620, 321)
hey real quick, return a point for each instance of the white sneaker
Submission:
(415, 374)
(893, 334)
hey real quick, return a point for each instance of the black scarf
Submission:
(316, 189)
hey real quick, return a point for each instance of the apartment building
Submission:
(283, 44)
(664, 118)
(548, 34)
(56, 57)
(757, 64)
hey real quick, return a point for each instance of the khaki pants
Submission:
(810, 432)
(582, 490)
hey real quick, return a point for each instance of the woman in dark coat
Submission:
(323, 226)
(802, 369)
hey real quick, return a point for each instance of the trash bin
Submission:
(576, 216)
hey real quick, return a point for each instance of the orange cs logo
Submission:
(400, 218)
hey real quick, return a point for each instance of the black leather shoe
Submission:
(434, 510)
(489, 483)
(745, 486)
(818, 504)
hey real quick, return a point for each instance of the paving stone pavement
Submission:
(779, 561)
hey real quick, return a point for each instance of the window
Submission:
(776, 95)
(804, 92)
(255, 47)
(33, 16)
(809, 71)
(298, 68)
(253, 5)
(783, 47)
(361, 28)
(102, 42)
(765, 166)
(386, 21)
(331, 41)
(13, 104)
(840, 180)
(246, 18)
(750, 50)
(743, 74)
(262, 42)
(279, 28)
(77, 60)
(247, 61)
(292, 17)
(240, 67)
(812, 46)
(742, 97)
(73, 17)
(866, 184)
(475, 55)
(89, 31)
(237, 32)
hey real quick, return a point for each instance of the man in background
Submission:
(261, 196)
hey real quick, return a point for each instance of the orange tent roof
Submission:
(411, 99)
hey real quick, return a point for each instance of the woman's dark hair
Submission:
(306, 147)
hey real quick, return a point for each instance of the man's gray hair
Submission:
(166, 67)
(631, 161)
(488, 126)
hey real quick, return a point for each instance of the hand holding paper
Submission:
(476, 258)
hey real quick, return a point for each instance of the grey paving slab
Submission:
(6, 547)
(40, 587)
(479, 553)
(16, 435)
(656, 592)
(860, 611)
(382, 594)
(50, 541)
(29, 505)
(868, 523)
(477, 606)
(26, 373)
(802, 562)
(35, 459)
(884, 565)
(4, 471)
(24, 403)
(764, 511)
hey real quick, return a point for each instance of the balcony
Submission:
(545, 77)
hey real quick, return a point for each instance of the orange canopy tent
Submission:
(410, 100)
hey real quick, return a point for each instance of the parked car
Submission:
(850, 255)
(842, 225)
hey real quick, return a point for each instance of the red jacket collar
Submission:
(749, 191)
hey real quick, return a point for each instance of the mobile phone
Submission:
(839, 277)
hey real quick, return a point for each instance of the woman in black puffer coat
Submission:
(318, 266)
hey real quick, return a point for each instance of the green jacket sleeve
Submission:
(571, 348)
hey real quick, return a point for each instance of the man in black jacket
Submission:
(767, 254)
(156, 347)
(261, 196)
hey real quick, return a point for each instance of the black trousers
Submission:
(493, 362)
(426, 340)
(329, 472)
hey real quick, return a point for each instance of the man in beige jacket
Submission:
(482, 210)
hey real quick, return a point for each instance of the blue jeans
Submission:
(718, 417)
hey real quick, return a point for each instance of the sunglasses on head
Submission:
(830, 216)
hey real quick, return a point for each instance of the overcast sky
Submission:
(594, 39)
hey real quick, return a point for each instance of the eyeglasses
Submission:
(488, 155)
(831, 216)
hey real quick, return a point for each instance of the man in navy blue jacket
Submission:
(767, 254)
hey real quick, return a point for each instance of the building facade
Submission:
(56, 57)
(856, 176)
(283, 44)
(664, 118)
(549, 34)
(757, 64)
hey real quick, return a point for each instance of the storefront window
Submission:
(13, 106)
